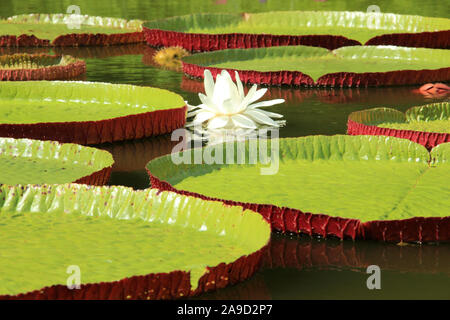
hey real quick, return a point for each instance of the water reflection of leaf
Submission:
(312, 254)
(254, 288)
(374, 96)
(134, 155)
(306, 253)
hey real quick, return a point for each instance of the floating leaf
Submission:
(428, 125)
(25, 161)
(19, 67)
(331, 30)
(310, 66)
(152, 245)
(67, 30)
(87, 112)
(366, 187)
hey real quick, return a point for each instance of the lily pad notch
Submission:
(120, 206)
(26, 67)
(315, 210)
(98, 112)
(331, 30)
(26, 161)
(60, 30)
(358, 66)
(373, 121)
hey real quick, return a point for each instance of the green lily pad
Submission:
(43, 101)
(40, 67)
(360, 26)
(366, 178)
(52, 28)
(429, 118)
(45, 230)
(87, 112)
(321, 64)
(428, 125)
(24, 161)
(27, 61)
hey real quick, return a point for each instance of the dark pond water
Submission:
(298, 267)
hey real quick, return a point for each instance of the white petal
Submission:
(230, 107)
(257, 95)
(207, 104)
(221, 91)
(252, 96)
(242, 121)
(233, 90)
(195, 108)
(260, 117)
(239, 85)
(267, 103)
(208, 82)
(250, 93)
(218, 122)
(193, 113)
(281, 123)
(190, 108)
(203, 116)
(272, 114)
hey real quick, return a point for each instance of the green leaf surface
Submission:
(33, 61)
(50, 26)
(433, 117)
(25, 161)
(56, 101)
(362, 177)
(359, 26)
(317, 62)
(44, 230)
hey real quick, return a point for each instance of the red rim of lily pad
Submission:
(168, 32)
(296, 221)
(341, 79)
(129, 127)
(99, 178)
(70, 69)
(95, 132)
(72, 39)
(197, 42)
(359, 124)
(195, 66)
(154, 286)
(286, 220)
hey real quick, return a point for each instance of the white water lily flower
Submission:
(225, 105)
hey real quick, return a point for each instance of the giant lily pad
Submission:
(331, 30)
(68, 30)
(25, 161)
(50, 230)
(87, 112)
(428, 125)
(308, 66)
(19, 67)
(365, 187)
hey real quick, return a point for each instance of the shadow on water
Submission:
(301, 267)
(131, 157)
